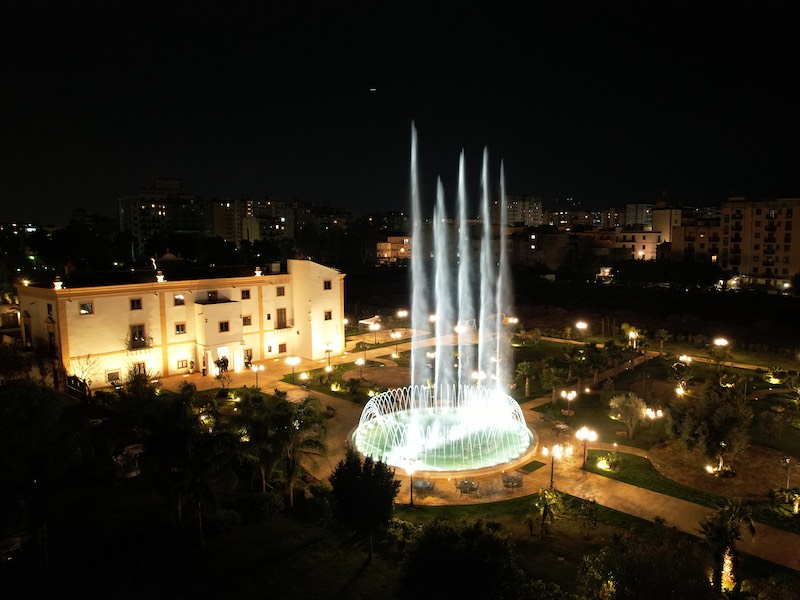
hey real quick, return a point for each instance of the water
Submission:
(456, 413)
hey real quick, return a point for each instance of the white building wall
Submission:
(94, 346)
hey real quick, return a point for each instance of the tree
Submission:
(553, 378)
(526, 371)
(547, 506)
(662, 335)
(363, 493)
(478, 558)
(588, 514)
(721, 531)
(630, 409)
(657, 563)
(300, 429)
(715, 421)
(13, 363)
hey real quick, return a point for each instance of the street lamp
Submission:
(410, 470)
(396, 335)
(360, 362)
(294, 361)
(787, 462)
(581, 327)
(256, 369)
(585, 435)
(328, 350)
(569, 396)
(653, 415)
(375, 327)
(557, 451)
(632, 335)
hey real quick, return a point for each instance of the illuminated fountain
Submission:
(455, 415)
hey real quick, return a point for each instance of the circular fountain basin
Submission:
(444, 428)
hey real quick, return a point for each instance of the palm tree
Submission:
(547, 505)
(553, 377)
(300, 429)
(721, 532)
(527, 370)
(662, 335)
(206, 471)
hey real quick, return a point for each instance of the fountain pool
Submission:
(458, 428)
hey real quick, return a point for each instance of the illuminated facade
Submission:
(102, 332)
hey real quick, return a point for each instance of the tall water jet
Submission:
(441, 422)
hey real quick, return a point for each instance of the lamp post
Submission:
(556, 452)
(328, 350)
(375, 327)
(402, 314)
(787, 462)
(396, 335)
(410, 470)
(360, 363)
(569, 396)
(585, 435)
(294, 361)
(256, 369)
(581, 327)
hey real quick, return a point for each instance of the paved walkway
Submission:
(771, 544)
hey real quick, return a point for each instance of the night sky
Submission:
(607, 103)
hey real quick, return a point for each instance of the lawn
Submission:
(638, 471)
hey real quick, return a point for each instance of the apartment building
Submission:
(176, 326)
(757, 240)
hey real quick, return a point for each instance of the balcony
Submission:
(736, 250)
(736, 227)
(770, 239)
(139, 343)
(770, 227)
(284, 324)
(769, 250)
(737, 239)
(735, 260)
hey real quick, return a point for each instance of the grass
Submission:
(591, 413)
(532, 466)
(638, 471)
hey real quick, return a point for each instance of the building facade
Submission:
(101, 333)
(757, 240)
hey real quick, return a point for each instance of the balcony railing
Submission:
(139, 343)
(287, 324)
(736, 227)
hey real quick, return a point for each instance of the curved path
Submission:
(771, 544)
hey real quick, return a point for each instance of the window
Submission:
(326, 285)
(280, 291)
(247, 320)
(245, 294)
(112, 377)
(328, 315)
(269, 349)
(758, 223)
(180, 328)
(224, 326)
(136, 304)
(179, 300)
(139, 368)
(86, 308)
(183, 364)
(138, 339)
(758, 211)
(269, 316)
(281, 317)
(49, 309)
(282, 348)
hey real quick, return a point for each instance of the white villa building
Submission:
(99, 333)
